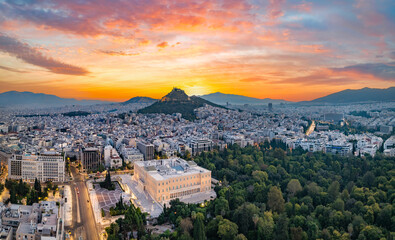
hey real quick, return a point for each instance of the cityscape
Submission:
(197, 120)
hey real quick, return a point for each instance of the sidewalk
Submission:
(142, 199)
(94, 202)
(68, 206)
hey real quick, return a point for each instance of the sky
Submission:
(117, 49)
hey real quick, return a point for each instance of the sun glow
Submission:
(197, 90)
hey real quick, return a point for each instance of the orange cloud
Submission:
(163, 45)
(144, 42)
(118, 53)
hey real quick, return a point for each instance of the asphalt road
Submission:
(311, 128)
(82, 209)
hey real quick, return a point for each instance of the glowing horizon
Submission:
(115, 50)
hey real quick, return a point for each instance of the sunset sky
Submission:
(118, 49)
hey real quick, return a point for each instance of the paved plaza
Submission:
(106, 198)
(141, 198)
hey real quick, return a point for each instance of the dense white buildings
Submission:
(137, 136)
(31, 222)
(46, 166)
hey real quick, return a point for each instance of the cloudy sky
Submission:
(117, 49)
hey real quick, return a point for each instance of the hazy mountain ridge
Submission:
(178, 96)
(30, 99)
(140, 100)
(358, 95)
(234, 99)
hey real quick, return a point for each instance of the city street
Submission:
(311, 128)
(83, 219)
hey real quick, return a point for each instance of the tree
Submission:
(368, 179)
(333, 191)
(37, 187)
(312, 229)
(243, 216)
(49, 185)
(22, 189)
(293, 187)
(221, 206)
(187, 155)
(265, 227)
(281, 229)
(371, 233)
(32, 197)
(13, 198)
(212, 227)
(275, 200)
(227, 230)
(199, 232)
(240, 237)
(107, 184)
(297, 233)
(260, 176)
(338, 204)
(186, 225)
(279, 153)
(385, 217)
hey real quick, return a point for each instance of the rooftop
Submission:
(169, 168)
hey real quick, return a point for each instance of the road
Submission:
(84, 224)
(311, 128)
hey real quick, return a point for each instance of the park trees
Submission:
(275, 200)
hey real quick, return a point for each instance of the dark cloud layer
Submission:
(385, 71)
(12, 69)
(31, 55)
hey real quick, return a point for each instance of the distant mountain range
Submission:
(177, 101)
(140, 100)
(223, 99)
(358, 95)
(29, 99)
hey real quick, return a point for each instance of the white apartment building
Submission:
(389, 143)
(47, 166)
(111, 157)
(131, 154)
